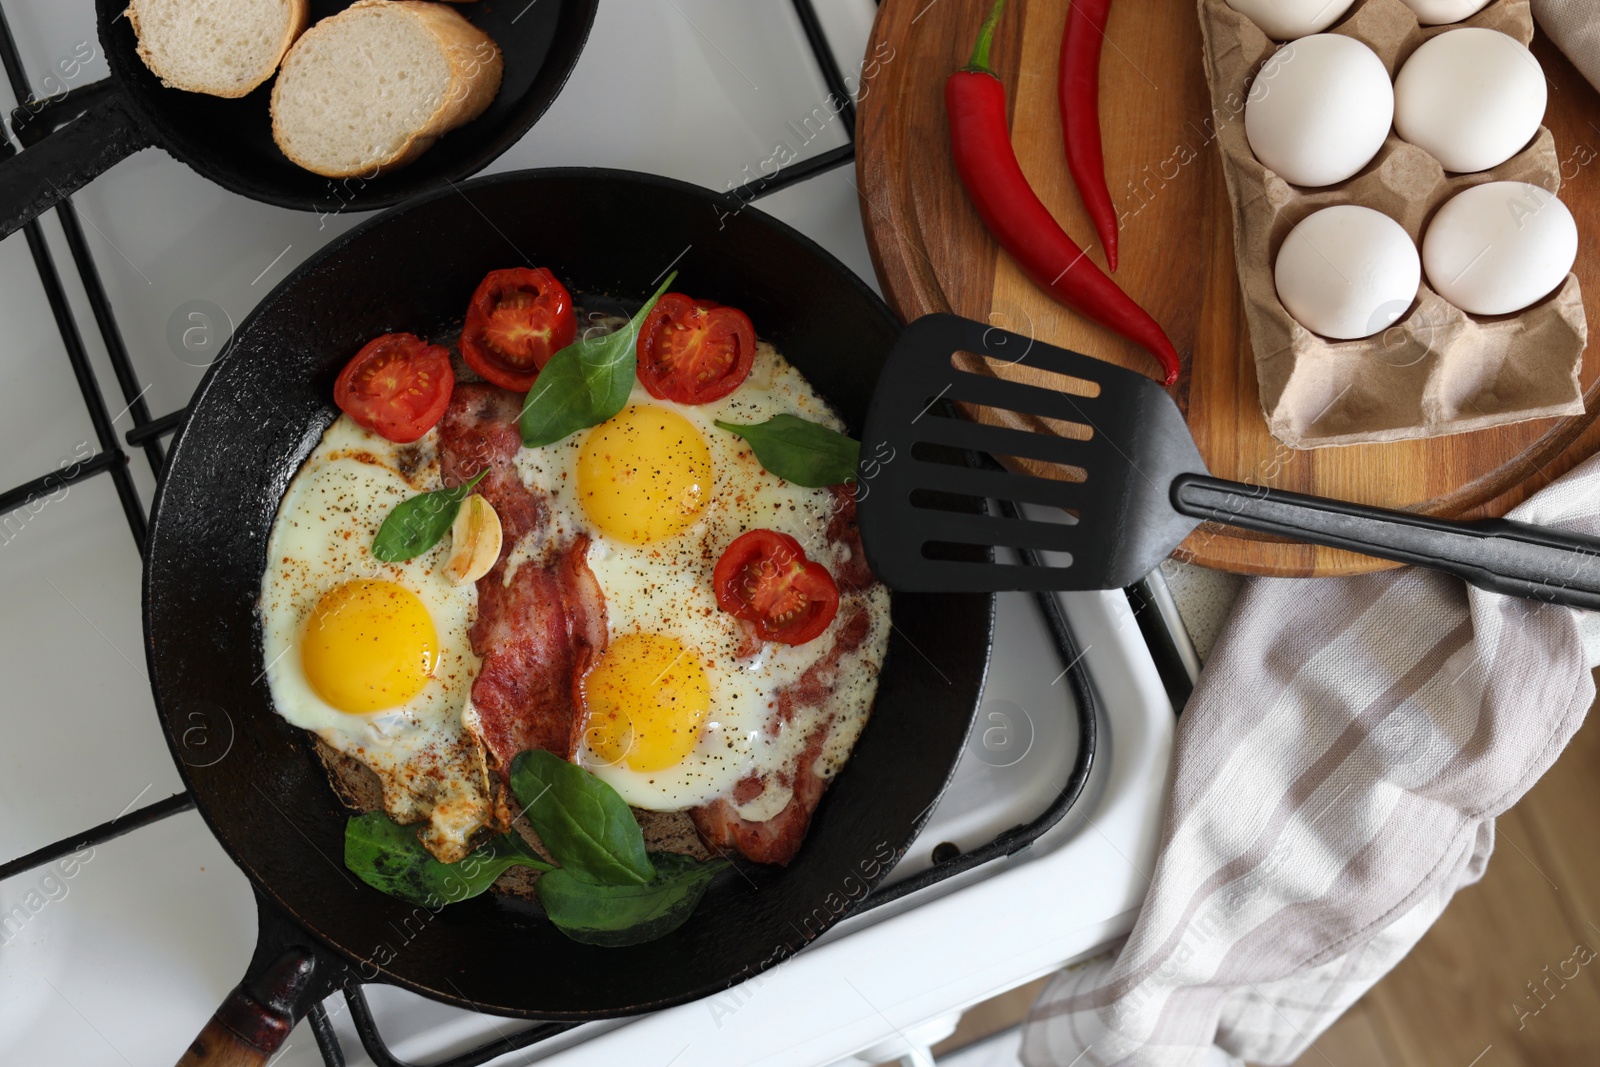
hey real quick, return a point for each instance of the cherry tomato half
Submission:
(397, 386)
(693, 351)
(517, 320)
(764, 577)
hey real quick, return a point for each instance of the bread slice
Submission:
(371, 88)
(220, 47)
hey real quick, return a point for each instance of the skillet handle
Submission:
(64, 161)
(1499, 555)
(257, 1015)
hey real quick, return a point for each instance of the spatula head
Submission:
(1102, 520)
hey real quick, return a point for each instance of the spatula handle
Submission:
(1494, 554)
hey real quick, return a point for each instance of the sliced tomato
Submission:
(517, 320)
(765, 578)
(693, 351)
(397, 386)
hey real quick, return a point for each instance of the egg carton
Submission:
(1436, 371)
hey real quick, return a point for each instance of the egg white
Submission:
(322, 538)
(665, 587)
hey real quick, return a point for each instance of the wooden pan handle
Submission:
(256, 1017)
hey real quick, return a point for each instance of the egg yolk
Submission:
(644, 474)
(644, 701)
(368, 645)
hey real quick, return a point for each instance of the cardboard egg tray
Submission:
(1438, 370)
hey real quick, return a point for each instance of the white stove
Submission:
(118, 953)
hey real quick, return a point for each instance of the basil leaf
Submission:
(801, 451)
(586, 382)
(416, 525)
(389, 858)
(616, 915)
(582, 821)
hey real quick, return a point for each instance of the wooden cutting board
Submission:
(1163, 169)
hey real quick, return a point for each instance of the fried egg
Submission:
(374, 657)
(674, 716)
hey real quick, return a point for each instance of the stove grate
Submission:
(31, 121)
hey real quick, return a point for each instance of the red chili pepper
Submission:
(975, 101)
(1078, 84)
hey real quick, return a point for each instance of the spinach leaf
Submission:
(582, 821)
(586, 382)
(801, 451)
(616, 915)
(416, 525)
(389, 858)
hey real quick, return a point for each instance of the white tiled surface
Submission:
(120, 958)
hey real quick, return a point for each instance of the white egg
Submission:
(1438, 12)
(1497, 248)
(1319, 110)
(1284, 20)
(1472, 98)
(387, 641)
(662, 589)
(1347, 271)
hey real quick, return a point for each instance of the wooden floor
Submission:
(1465, 996)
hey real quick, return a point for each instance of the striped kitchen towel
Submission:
(1574, 25)
(1336, 778)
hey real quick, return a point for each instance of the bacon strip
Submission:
(776, 840)
(539, 631)
(844, 529)
(537, 636)
(479, 432)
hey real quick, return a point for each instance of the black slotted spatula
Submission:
(1143, 486)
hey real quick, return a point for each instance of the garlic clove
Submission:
(474, 541)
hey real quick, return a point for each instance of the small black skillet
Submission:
(230, 141)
